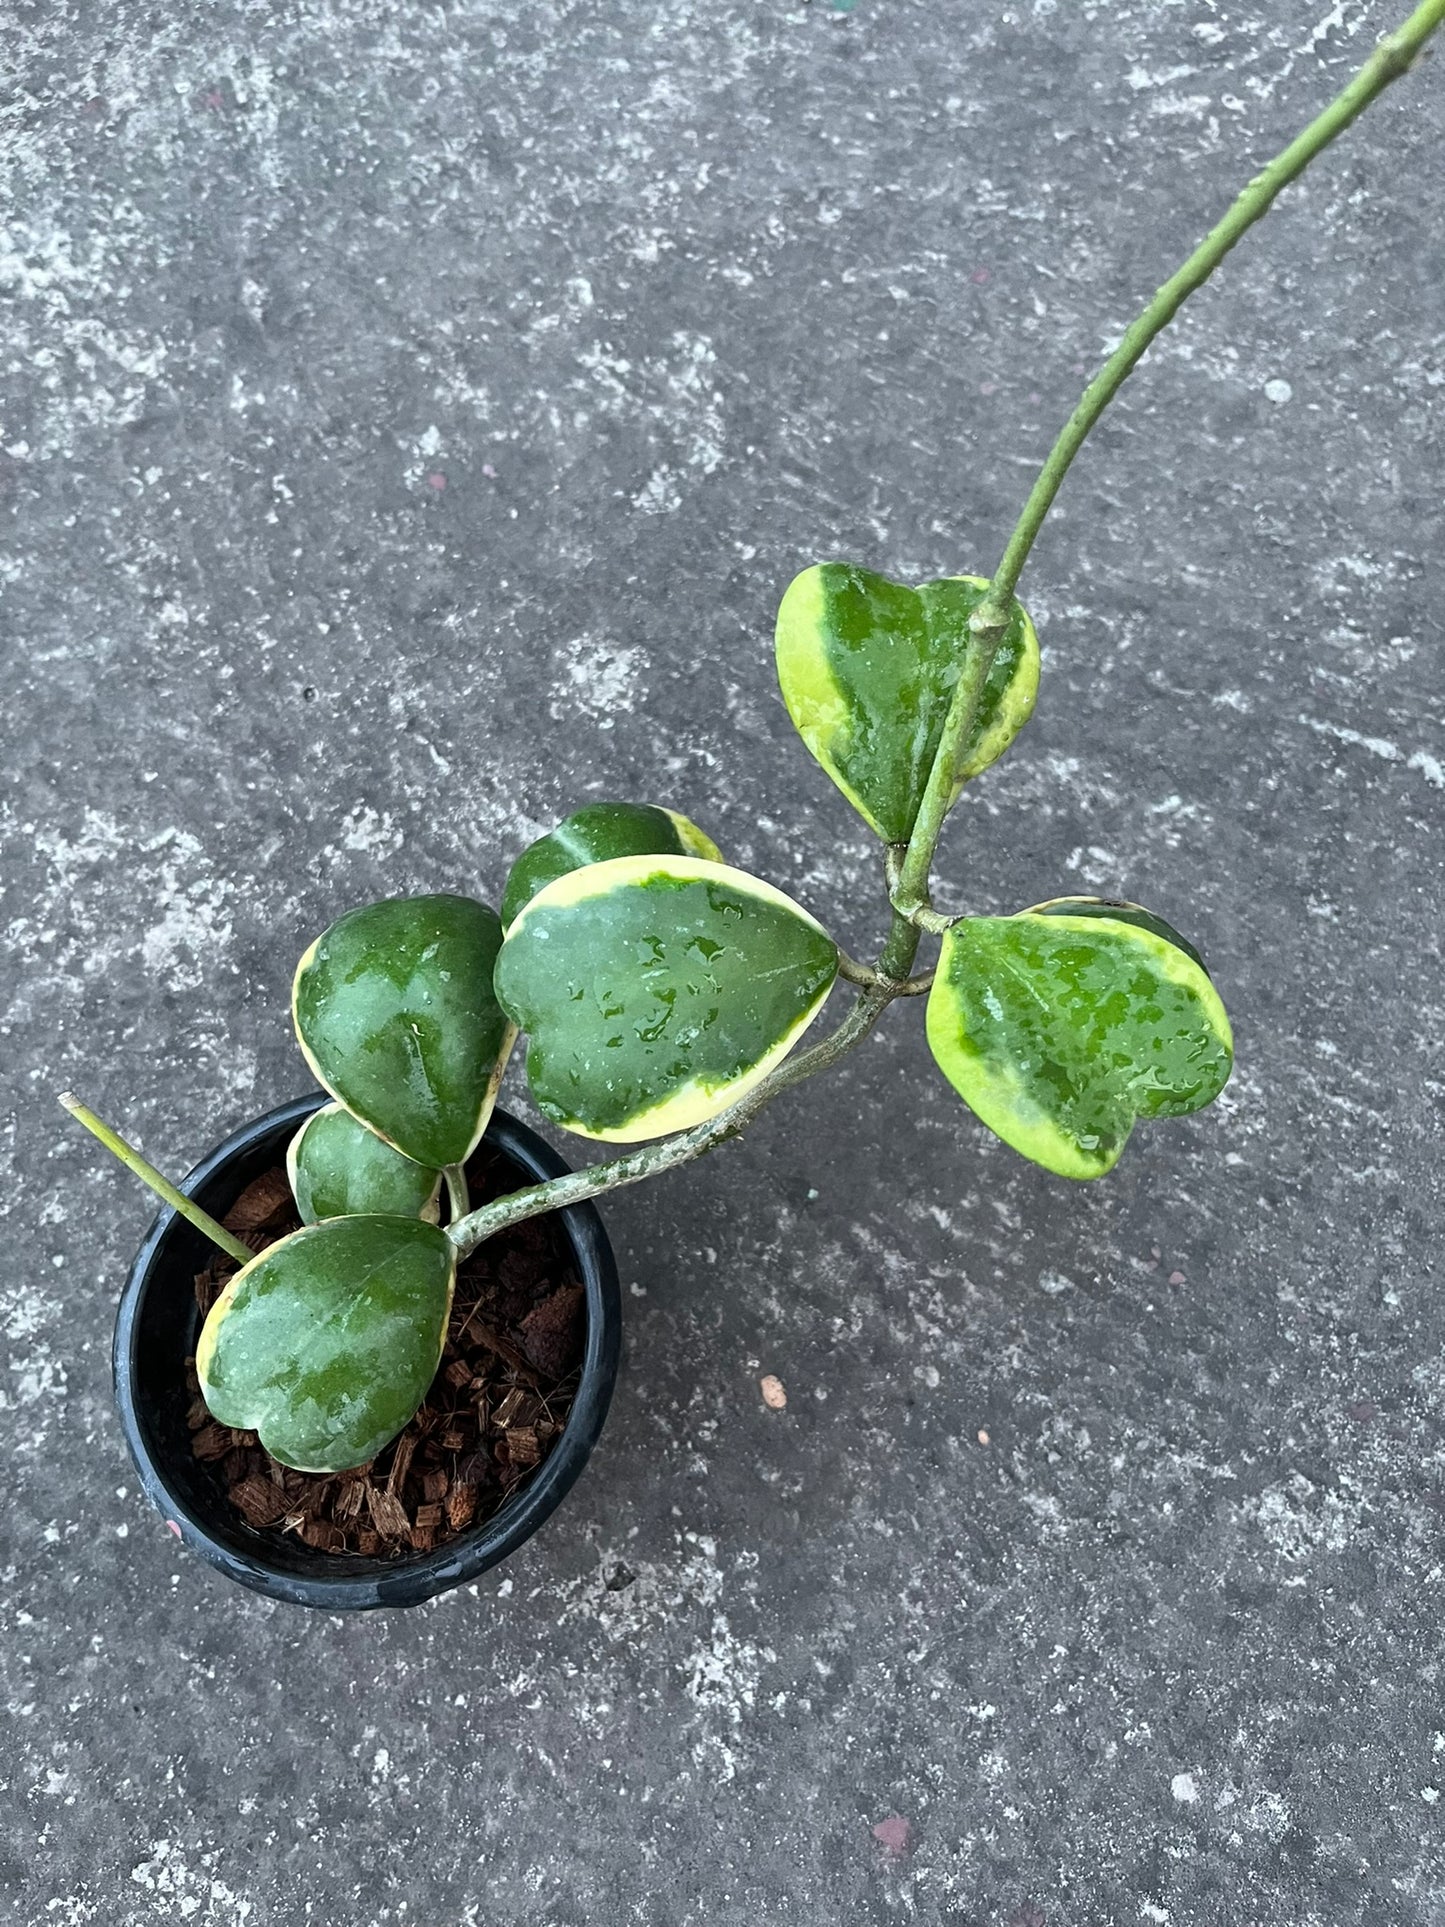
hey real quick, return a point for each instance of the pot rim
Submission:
(422, 1576)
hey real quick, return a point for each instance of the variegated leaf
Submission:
(396, 1015)
(868, 668)
(1061, 1026)
(325, 1345)
(657, 991)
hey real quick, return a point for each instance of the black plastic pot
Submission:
(155, 1333)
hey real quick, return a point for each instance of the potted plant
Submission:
(371, 1340)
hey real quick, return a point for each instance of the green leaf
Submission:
(340, 1169)
(1119, 912)
(657, 991)
(396, 1015)
(594, 834)
(325, 1345)
(867, 669)
(1060, 1026)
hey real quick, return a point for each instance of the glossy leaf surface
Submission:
(656, 991)
(396, 1015)
(325, 1344)
(339, 1169)
(595, 834)
(1059, 1029)
(1118, 911)
(867, 668)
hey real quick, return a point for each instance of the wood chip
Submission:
(428, 1515)
(401, 1462)
(388, 1514)
(211, 1442)
(267, 1197)
(458, 1373)
(423, 1538)
(315, 1497)
(461, 1506)
(197, 1415)
(350, 1499)
(507, 1412)
(523, 1446)
(258, 1501)
(322, 1536)
(510, 1354)
(434, 1486)
(552, 1332)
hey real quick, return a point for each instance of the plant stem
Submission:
(1394, 56)
(908, 869)
(867, 978)
(650, 1160)
(148, 1174)
(457, 1194)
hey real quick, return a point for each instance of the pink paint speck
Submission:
(1176, 1277)
(988, 387)
(215, 99)
(894, 1835)
(980, 277)
(172, 1526)
(488, 470)
(438, 482)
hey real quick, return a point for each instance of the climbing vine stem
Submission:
(909, 868)
(1395, 55)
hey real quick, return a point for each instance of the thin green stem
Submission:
(908, 869)
(865, 977)
(651, 1160)
(1394, 56)
(895, 959)
(853, 972)
(162, 1186)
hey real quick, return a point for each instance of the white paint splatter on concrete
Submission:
(597, 678)
(1430, 767)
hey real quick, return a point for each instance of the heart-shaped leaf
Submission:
(1060, 1026)
(595, 834)
(656, 991)
(397, 1017)
(340, 1169)
(868, 668)
(325, 1345)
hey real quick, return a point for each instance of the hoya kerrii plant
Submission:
(664, 994)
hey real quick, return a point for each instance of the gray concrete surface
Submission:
(411, 415)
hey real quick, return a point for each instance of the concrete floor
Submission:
(411, 416)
